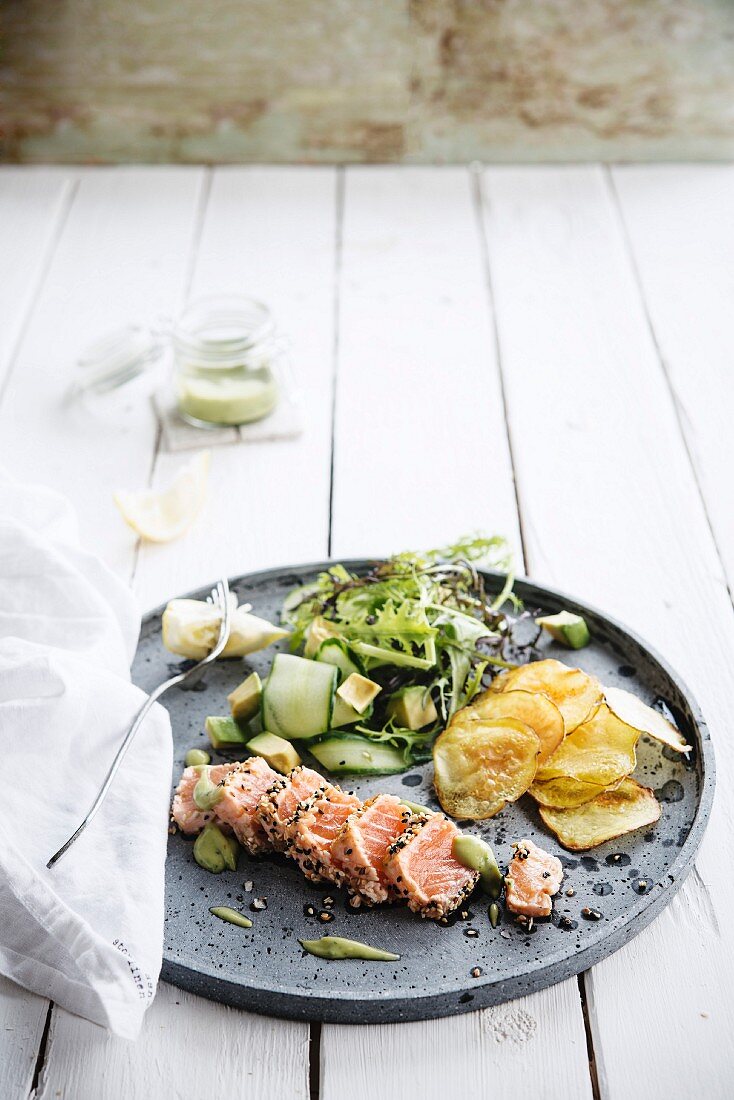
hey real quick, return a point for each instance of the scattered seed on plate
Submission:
(328, 903)
(590, 914)
(570, 892)
(247, 886)
(476, 972)
(471, 932)
(258, 904)
(325, 917)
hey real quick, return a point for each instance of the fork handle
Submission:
(114, 767)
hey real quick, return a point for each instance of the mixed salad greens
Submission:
(420, 626)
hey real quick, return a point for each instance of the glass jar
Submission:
(224, 350)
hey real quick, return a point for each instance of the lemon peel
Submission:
(164, 515)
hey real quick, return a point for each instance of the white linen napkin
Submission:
(88, 933)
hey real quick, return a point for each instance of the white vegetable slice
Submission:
(638, 714)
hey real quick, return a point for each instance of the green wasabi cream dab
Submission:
(206, 793)
(197, 756)
(226, 912)
(475, 854)
(214, 851)
(334, 947)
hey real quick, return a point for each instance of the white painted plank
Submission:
(269, 233)
(22, 1019)
(503, 1051)
(680, 222)
(33, 202)
(420, 447)
(421, 456)
(121, 258)
(189, 1048)
(611, 512)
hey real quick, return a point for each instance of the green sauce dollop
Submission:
(197, 756)
(334, 947)
(226, 912)
(206, 793)
(214, 851)
(476, 854)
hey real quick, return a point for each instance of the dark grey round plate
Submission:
(264, 969)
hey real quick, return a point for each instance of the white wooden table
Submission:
(546, 352)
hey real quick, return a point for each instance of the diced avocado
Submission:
(244, 701)
(344, 714)
(224, 733)
(319, 629)
(566, 628)
(412, 708)
(278, 752)
(358, 692)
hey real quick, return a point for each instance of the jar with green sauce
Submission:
(225, 352)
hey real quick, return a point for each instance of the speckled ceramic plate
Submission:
(264, 969)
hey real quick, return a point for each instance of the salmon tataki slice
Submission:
(316, 824)
(421, 867)
(184, 811)
(361, 846)
(241, 791)
(277, 806)
(532, 879)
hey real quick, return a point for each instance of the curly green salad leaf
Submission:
(417, 619)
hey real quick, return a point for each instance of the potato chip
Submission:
(532, 708)
(609, 815)
(564, 792)
(600, 751)
(636, 713)
(482, 765)
(574, 692)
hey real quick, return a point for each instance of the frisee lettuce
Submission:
(418, 618)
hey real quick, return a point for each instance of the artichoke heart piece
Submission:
(482, 765)
(601, 751)
(532, 708)
(611, 814)
(575, 693)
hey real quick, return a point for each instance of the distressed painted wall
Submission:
(366, 80)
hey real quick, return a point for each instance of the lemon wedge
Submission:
(191, 628)
(165, 515)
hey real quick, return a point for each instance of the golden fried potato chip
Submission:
(481, 765)
(609, 815)
(563, 793)
(574, 692)
(532, 708)
(601, 751)
(636, 713)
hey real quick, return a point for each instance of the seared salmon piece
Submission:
(315, 825)
(533, 877)
(184, 811)
(242, 789)
(421, 867)
(277, 806)
(361, 846)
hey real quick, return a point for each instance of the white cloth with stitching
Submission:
(88, 934)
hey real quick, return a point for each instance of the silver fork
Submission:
(219, 598)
